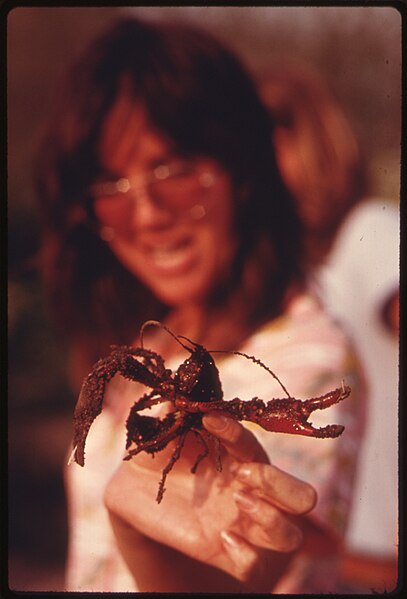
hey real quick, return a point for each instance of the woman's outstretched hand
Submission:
(245, 520)
(266, 498)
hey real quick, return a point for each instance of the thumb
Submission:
(237, 440)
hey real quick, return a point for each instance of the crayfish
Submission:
(193, 390)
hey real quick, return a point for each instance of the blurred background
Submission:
(358, 52)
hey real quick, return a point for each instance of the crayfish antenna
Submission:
(148, 323)
(256, 361)
(157, 323)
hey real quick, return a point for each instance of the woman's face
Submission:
(168, 219)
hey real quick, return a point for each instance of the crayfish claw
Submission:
(325, 401)
(71, 457)
(134, 364)
(331, 431)
(290, 415)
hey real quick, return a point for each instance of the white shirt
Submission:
(361, 272)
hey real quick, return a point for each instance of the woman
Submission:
(353, 242)
(163, 201)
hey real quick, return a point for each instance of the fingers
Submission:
(243, 556)
(268, 502)
(263, 532)
(266, 526)
(284, 490)
(252, 564)
(238, 440)
(278, 487)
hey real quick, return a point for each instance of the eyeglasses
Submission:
(179, 186)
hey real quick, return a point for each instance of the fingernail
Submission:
(246, 502)
(234, 467)
(217, 422)
(230, 539)
(243, 472)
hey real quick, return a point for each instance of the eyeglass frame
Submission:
(142, 181)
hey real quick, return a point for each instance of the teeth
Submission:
(170, 255)
(165, 250)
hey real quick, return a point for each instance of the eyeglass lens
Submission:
(178, 188)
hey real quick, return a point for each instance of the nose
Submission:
(147, 212)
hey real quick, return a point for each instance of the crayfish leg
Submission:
(217, 454)
(151, 434)
(204, 453)
(146, 401)
(200, 434)
(174, 458)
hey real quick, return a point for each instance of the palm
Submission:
(195, 507)
(198, 509)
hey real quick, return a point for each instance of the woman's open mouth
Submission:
(171, 258)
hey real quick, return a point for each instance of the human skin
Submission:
(212, 531)
(180, 259)
(217, 532)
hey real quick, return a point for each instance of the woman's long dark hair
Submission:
(199, 96)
